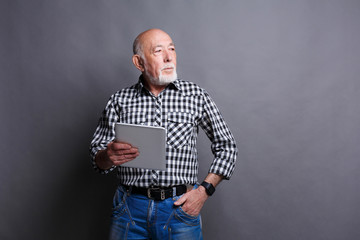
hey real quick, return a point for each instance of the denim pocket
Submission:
(186, 218)
(119, 205)
(120, 219)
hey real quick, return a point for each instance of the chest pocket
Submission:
(179, 129)
(133, 118)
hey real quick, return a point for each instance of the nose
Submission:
(167, 56)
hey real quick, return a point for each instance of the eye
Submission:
(158, 50)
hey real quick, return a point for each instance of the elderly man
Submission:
(154, 204)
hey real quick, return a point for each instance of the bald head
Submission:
(144, 37)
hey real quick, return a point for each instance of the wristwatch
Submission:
(209, 188)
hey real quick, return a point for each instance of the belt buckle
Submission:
(162, 193)
(149, 192)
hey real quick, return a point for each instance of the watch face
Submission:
(208, 187)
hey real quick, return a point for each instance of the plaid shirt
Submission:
(181, 108)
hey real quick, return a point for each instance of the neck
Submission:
(154, 89)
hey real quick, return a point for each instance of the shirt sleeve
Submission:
(223, 144)
(105, 132)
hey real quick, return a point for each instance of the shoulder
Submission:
(190, 88)
(125, 93)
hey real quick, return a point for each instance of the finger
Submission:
(122, 158)
(126, 153)
(120, 146)
(130, 156)
(120, 162)
(191, 211)
(181, 200)
(129, 151)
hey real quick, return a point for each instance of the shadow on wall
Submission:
(70, 200)
(50, 188)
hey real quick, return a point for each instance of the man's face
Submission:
(159, 58)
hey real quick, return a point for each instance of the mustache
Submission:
(168, 65)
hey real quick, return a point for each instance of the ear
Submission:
(138, 62)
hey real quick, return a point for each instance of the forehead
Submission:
(157, 39)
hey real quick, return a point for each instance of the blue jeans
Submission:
(138, 217)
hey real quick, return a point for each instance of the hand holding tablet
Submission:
(149, 140)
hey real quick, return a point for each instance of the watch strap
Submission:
(209, 188)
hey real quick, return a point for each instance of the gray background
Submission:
(285, 75)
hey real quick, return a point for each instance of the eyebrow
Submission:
(170, 44)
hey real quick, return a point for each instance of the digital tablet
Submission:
(151, 142)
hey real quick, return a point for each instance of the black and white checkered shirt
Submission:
(181, 108)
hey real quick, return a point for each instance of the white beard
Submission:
(164, 80)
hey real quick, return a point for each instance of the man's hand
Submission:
(119, 153)
(115, 154)
(193, 201)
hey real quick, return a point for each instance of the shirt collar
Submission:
(176, 84)
(140, 88)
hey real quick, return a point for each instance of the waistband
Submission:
(158, 193)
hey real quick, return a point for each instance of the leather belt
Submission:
(158, 193)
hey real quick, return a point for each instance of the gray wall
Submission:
(285, 75)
